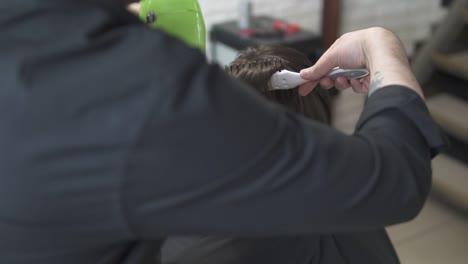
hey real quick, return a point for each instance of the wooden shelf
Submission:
(455, 64)
(450, 180)
(451, 113)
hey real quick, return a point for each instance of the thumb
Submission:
(323, 67)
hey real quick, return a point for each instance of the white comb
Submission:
(284, 80)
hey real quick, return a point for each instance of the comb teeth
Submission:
(235, 67)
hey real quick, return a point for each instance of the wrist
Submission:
(387, 61)
(382, 46)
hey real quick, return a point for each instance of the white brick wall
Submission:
(410, 19)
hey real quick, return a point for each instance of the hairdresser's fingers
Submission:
(366, 84)
(307, 88)
(134, 8)
(326, 83)
(322, 68)
(357, 85)
(342, 84)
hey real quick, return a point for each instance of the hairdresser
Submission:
(114, 136)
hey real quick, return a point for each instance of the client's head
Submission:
(256, 66)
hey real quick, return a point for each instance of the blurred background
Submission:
(435, 35)
(412, 20)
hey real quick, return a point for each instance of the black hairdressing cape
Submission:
(114, 136)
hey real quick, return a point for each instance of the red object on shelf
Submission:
(286, 27)
(261, 33)
(247, 32)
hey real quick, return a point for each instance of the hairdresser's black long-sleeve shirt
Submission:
(113, 137)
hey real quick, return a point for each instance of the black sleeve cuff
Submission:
(411, 105)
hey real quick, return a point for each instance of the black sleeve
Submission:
(215, 158)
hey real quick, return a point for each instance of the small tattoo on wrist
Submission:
(377, 80)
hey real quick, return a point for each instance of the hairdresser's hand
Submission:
(376, 49)
(134, 8)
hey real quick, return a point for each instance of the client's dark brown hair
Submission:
(256, 66)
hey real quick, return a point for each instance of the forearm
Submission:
(388, 63)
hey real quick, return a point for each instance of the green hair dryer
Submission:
(180, 18)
